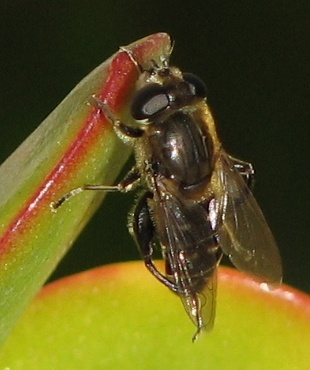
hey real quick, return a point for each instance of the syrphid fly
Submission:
(196, 202)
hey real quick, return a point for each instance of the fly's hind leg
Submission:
(246, 170)
(143, 230)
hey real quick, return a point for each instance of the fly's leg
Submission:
(199, 320)
(246, 170)
(126, 133)
(129, 182)
(143, 230)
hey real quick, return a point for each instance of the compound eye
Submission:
(149, 101)
(197, 87)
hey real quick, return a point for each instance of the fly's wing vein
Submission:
(190, 249)
(243, 233)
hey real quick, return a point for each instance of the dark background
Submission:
(254, 58)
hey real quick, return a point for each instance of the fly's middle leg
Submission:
(129, 182)
(126, 133)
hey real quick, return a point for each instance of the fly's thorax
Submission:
(178, 147)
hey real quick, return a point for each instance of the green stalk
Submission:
(73, 146)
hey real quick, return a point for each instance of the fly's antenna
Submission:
(165, 58)
(170, 50)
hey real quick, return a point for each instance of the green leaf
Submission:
(119, 316)
(73, 146)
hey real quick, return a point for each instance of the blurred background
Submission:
(254, 58)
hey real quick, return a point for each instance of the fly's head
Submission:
(163, 90)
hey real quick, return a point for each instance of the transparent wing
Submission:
(191, 253)
(243, 233)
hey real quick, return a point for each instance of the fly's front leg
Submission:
(143, 230)
(123, 131)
